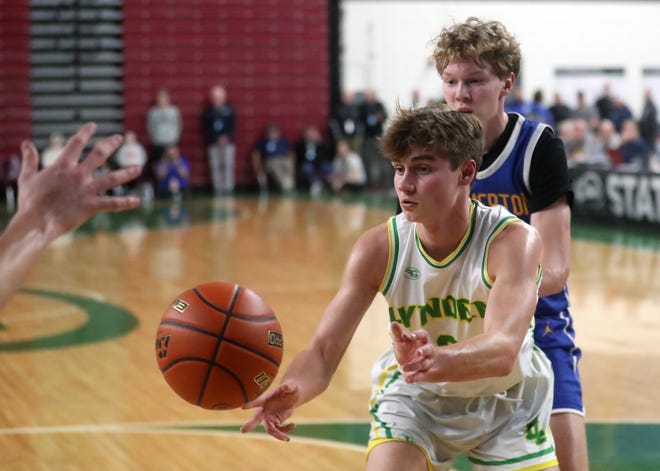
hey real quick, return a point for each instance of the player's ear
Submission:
(509, 82)
(468, 172)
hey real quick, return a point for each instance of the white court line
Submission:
(178, 428)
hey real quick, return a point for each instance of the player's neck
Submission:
(440, 240)
(494, 129)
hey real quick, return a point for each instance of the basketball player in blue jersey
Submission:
(463, 374)
(56, 200)
(524, 168)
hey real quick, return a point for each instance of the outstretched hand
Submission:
(68, 193)
(414, 352)
(273, 409)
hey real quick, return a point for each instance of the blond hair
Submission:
(485, 42)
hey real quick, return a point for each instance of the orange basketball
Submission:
(219, 345)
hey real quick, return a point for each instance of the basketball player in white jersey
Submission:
(56, 200)
(524, 168)
(463, 375)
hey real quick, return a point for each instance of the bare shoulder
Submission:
(373, 244)
(519, 232)
(517, 245)
(369, 256)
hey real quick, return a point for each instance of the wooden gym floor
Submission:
(81, 389)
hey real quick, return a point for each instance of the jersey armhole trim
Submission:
(392, 255)
(503, 224)
(529, 152)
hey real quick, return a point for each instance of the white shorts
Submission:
(505, 432)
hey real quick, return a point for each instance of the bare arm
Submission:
(310, 372)
(554, 226)
(56, 200)
(509, 312)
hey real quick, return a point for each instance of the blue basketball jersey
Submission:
(506, 182)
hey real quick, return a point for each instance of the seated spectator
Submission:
(606, 149)
(348, 173)
(584, 110)
(584, 142)
(635, 153)
(313, 165)
(131, 152)
(566, 132)
(619, 113)
(272, 158)
(173, 173)
(53, 149)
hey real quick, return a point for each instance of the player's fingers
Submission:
(276, 431)
(425, 350)
(115, 178)
(287, 428)
(417, 366)
(30, 163)
(76, 143)
(288, 388)
(253, 422)
(101, 151)
(399, 333)
(421, 335)
(114, 203)
(261, 400)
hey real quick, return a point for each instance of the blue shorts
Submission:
(554, 335)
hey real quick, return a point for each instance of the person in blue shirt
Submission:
(272, 158)
(173, 173)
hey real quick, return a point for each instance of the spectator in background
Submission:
(173, 174)
(163, 124)
(372, 119)
(584, 142)
(348, 173)
(607, 145)
(635, 153)
(163, 128)
(604, 102)
(313, 165)
(584, 110)
(566, 132)
(648, 122)
(517, 103)
(272, 158)
(344, 122)
(10, 172)
(559, 110)
(540, 112)
(131, 153)
(619, 113)
(53, 149)
(219, 122)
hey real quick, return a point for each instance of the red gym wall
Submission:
(15, 108)
(271, 55)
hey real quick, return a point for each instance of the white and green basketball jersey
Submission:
(447, 298)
